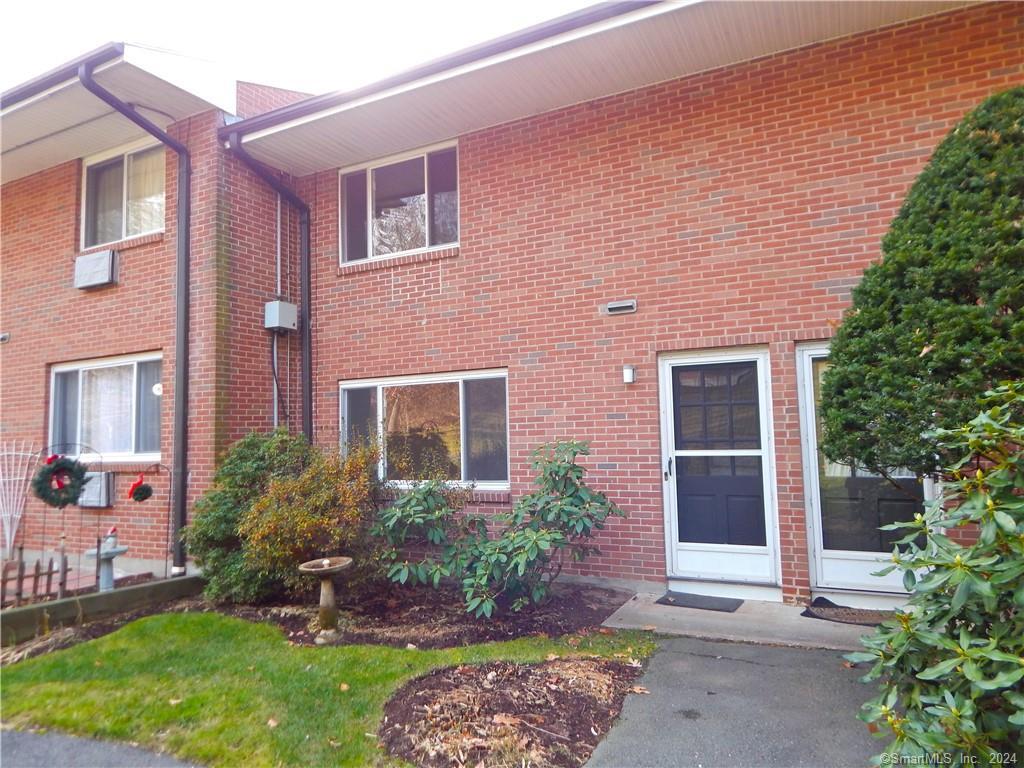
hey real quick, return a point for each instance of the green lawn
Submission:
(203, 686)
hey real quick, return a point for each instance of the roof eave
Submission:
(535, 34)
(58, 75)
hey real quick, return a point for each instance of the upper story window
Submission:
(124, 196)
(108, 407)
(399, 206)
(452, 426)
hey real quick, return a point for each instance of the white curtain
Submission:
(146, 191)
(104, 204)
(107, 409)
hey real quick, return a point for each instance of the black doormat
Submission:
(823, 608)
(704, 602)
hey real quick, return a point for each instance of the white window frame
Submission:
(806, 354)
(380, 163)
(124, 152)
(93, 364)
(433, 378)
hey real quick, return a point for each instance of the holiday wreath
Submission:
(60, 481)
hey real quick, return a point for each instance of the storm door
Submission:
(716, 471)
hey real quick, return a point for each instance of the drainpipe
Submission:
(179, 483)
(305, 282)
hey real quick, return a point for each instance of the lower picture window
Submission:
(108, 407)
(452, 427)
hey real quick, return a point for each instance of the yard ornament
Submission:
(140, 490)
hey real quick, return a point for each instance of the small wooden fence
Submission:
(21, 584)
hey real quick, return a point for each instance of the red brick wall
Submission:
(737, 206)
(252, 282)
(255, 99)
(50, 322)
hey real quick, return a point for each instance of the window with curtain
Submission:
(402, 206)
(107, 407)
(452, 427)
(124, 197)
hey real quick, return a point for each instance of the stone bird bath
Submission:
(326, 568)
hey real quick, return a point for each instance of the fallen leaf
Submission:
(638, 689)
(343, 687)
(551, 657)
(271, 723)
(503, 719)
(872, 728)
(574, 642)
(174, 702)
(334, 743)
(649, 628)
(848, 664)
(97, 663)
(410, 647)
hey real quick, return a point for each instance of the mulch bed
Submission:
(388, 615)
(429, 618)
(504, 714)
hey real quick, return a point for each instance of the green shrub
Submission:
(517, 566)
(941, 317)
(244, 475)
(324, 511)
(951, 663)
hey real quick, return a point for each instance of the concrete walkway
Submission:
(24, 749)
(737, 705)
(753, 622)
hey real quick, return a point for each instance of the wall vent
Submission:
(623, 307)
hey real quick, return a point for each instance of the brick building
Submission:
(636, 225)
(90, 198)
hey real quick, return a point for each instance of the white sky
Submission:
(301, 44)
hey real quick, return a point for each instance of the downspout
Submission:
(179, 484)
(305, 281)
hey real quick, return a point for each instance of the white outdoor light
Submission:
(628, 374)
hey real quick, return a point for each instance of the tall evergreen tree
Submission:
(939, 320)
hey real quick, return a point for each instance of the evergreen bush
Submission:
(243, 477)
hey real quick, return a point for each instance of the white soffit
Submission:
(650, 45)
(66, 122)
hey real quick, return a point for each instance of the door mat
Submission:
(823, 608)
(704, 602)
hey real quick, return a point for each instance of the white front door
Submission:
(846, 506)
(717, 467)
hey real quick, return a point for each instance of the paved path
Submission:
(737, 705)
(21, 749)
(754, 622)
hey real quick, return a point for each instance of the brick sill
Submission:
(476, 497)
(124, 245)
(490, 497)
(126, 467)
(422, 257)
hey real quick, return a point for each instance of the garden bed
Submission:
(383, 615)
(429, 618)
(506, 714)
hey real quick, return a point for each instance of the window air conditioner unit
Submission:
(94, 270)
(98, 490)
